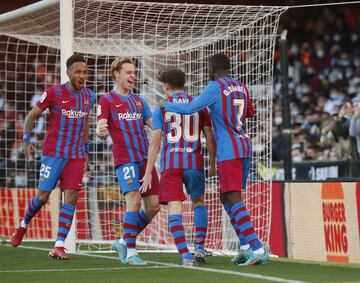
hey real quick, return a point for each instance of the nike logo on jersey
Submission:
(65, 101)
(118, 105)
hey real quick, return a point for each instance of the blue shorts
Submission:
(129, 175)
(69, 171)
(172, 180)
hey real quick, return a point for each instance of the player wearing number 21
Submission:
(230, 104)
(124, 115)
(65, 148)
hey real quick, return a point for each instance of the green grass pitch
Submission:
(26, 264)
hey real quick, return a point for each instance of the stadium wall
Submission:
(319, 221)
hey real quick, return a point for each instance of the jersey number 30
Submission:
(180, 127)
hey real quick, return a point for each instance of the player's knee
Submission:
(198, 201)
(43, 197)
(71, 197)
(153, 210)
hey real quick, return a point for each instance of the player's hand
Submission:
(27, 147)
(86, 157)
(146, 183)
(212, 171)
(102, 130)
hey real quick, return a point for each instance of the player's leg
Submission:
(171, 193)
(150, 198)
(128, 177)
(231, 195)
(50, 171)
(70, 184)
(245, 250)
(194, 181)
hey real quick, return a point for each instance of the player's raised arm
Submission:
(205, 99)
(28, 126)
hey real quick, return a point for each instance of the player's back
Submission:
(229, 110)
(182, 136)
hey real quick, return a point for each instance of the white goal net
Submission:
(156, 35)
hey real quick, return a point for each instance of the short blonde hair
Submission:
(118, 62)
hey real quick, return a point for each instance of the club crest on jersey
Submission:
(86, 102)
(139, 104)
(43, 96)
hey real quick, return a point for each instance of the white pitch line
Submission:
(206, 269)
(83, 269)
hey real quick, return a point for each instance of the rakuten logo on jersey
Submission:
(130, 116)
(73, 114)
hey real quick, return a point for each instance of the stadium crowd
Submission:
(324, 84)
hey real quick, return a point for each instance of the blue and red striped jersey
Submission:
(182, 135)
(67, 122)
(229, 102)
(126, 116)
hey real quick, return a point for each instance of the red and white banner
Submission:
(13, 204)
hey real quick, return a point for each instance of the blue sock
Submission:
(34, 207)
(201, 224)
(143, 221)
(178, 233)
(65, 220)
(130, 226)
(244, 223)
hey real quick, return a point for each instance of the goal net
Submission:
(155, 35)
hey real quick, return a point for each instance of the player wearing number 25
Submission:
(230, 104)
(65, 148)
(181, 163)
(124, 115)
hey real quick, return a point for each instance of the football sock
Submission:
(130, 226)
(65, 220)
(34, 207)
(178, 233)
(201, 223)
(243, 221)
(244, 245)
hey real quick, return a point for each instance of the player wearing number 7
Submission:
(230, 104)
(124, 115)
(65, 148)
(181, 163)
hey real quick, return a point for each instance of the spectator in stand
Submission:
(354, 128)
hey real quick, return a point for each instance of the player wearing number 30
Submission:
(230, 104)
(181, 163)
(124, 115)
(65, 148)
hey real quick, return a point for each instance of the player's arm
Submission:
(154, 148)
(153, 152)
(211, 147)
(102, 115)
(29, 123)
(206, 98)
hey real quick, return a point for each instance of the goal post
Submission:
(155, 35)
